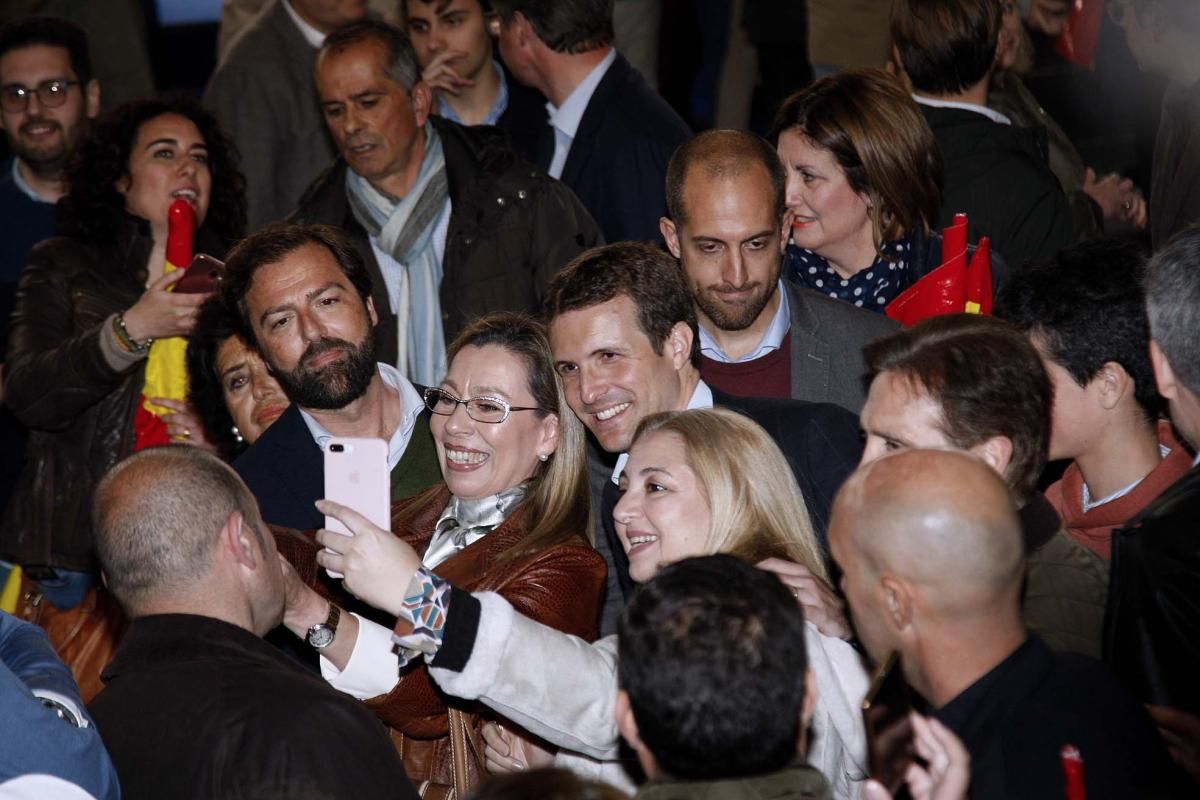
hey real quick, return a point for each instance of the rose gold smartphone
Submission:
(357, 476)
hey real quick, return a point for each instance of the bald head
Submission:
(722, 154)
(942, 521)
(158, 518)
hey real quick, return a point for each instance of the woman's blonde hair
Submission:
(757, 509)
(558, 499)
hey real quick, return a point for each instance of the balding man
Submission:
(972, 383)
(196, 704)
(760, 335)
(932, 555)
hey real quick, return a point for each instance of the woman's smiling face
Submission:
(663, 515)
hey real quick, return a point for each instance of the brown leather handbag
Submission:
(466, 761)
(85, 637)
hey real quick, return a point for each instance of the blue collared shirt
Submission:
(772, 338)
(494, 113)
(565, 119)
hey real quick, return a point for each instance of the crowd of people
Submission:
(679, 508)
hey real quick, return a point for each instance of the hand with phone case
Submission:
(376, 564)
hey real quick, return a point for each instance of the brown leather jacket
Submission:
(56, 381)
(560, 586)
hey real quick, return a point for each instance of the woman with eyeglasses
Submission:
(89, 303)
(511, 517)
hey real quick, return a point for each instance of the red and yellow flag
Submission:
(166, 368)
(955, 287)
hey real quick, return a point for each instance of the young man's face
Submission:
(41, 135)
(456, 30)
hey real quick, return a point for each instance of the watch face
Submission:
(320, 636)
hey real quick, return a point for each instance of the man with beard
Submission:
(47, 95)
(303, 295)
(760, 336)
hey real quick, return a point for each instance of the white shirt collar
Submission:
(992, 114)
(701, 398)
(25, 188)
(411, 405)
(311, 34)
(568, 116)
(772, 337)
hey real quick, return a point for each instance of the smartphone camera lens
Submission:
(337, 448)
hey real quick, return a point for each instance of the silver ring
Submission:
(1127, 205)
(187, 433)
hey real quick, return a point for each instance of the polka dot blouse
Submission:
(872, 288)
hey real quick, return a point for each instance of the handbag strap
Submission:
(461, 743)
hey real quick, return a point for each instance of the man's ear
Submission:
(670, 235)
(897, 601)
(91, 96)
(422, 102)
(239, 541)
(370, 314)
(1113, 383)
(996, 452)
(1164, 376)
(679, 344)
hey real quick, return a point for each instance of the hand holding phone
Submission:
(357, 476)
(203, 275)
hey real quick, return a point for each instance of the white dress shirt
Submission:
(992, 114)
(701, 398)
(565, 119)
(311, 34)
(411, 405)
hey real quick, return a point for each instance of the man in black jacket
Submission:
(452, 224)
(623, 330)
(1152, 622)
(196, 704)
(995, 172)
(609, 135)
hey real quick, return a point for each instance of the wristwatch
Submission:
(321, 635)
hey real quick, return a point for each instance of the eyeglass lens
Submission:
(51, 94)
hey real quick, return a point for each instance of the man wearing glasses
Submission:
(303, 296)
(47, 96)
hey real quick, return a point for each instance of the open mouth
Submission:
(465, 458)
(189, 195)
(612, 411)
(640, 542)
(39, 128)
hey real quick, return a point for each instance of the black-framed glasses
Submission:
(14, 98)
(491, 410)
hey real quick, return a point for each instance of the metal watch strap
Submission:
(322, 634)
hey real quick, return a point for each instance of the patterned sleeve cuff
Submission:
(422, 618)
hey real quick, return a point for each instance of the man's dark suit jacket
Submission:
(198, 708)
(820, 440)
(617, 164)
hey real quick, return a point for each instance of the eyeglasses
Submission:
(14, 98)
(492, 410)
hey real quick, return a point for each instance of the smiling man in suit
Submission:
(609, 135)
(623, 330)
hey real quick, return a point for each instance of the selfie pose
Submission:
(510, 517)
(696, 483)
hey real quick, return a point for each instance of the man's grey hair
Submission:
(158, 516)
(402, 67)
(1173, 304)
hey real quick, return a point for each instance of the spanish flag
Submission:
(166, 367)
(957, 286)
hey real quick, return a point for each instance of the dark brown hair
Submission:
(881, 141)
(565, 26)
(946, 46)
(723, 154)
(270, 246)
(645, 274)
(986, 377)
